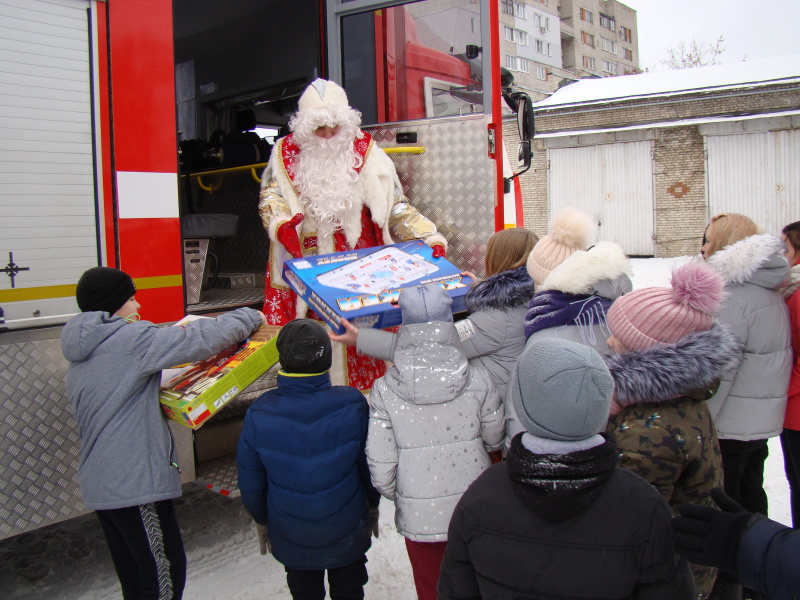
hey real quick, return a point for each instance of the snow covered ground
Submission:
(70, 561)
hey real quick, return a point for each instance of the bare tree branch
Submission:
(694, 54)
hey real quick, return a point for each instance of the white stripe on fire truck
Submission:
(145, 195)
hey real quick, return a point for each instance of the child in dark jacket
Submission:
(559, 519)
(303, 471)
(127, 468)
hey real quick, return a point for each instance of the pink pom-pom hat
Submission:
(664, 315)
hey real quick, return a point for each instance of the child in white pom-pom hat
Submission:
(668, 354)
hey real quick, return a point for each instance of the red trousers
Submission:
(426, 562)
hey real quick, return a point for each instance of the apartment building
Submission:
(599, 37)
(546, 41)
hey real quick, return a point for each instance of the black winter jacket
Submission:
(562, 527)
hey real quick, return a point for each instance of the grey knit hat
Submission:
(561, 390)
(425, 303)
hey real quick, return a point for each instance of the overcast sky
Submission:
(750, 29)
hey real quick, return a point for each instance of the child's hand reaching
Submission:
(349, 337)
(469, 274)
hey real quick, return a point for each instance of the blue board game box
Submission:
(363, 285)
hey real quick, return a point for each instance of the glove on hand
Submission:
(374, 515)
(263, 539)
(708, 536)
(439, 251)
(287, 235)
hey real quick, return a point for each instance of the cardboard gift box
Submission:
(363, 285)
(191, 393)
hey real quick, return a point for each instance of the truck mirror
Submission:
(524, 154)
(525, 122)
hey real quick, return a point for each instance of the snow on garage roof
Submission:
(682, 81)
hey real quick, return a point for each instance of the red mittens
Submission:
(287, 235)
(439, 251)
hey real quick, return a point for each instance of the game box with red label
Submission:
(191, 393)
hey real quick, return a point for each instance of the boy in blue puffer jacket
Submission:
(303, 471)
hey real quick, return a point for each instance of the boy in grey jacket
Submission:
(127, 468)
(433, 419)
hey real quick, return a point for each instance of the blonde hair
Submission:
(508, 249)
(726, 229)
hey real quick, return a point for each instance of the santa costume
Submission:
(333, 194)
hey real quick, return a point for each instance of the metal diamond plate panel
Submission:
(452, 182)
(39, 446)
(195, 254)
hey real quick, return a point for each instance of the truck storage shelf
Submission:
(215, 299)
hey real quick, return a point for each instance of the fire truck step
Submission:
(219, 476)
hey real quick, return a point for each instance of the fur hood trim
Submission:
(665, 372)
(579, 273)
(501, 291)
(738, 262)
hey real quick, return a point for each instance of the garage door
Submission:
(755, 174)
(614, 184)
(48, 234)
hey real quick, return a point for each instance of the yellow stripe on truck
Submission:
(66, 291)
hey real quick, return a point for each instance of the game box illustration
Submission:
(363, 285)
(191, 393)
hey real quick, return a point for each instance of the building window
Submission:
(542, 22)
(625, 33)
(587, 38)
(608, 45)
(519, 10)
(542, 2)
(610, 67)
(517, 63)
(507, 6)
(608, 22)
(541, 73)
(627, 54)
(587, 16)
(516, 35)
(588, 62)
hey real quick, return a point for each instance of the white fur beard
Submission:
(325, 178)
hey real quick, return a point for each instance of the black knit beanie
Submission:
(104, 288)
(304, 347)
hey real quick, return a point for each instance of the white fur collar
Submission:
(580, 272)
(375, 188)
(738, 262)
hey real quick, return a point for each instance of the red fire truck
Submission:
(122, 119)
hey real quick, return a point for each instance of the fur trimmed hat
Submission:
(561, 390)
(104, 288)
(567, 233)
(304, 347)
(425, 304)
(323, 94)
(664, 315)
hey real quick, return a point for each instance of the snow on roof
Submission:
(682, 81)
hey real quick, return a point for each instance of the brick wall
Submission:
(686, 106)
(680, 191)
